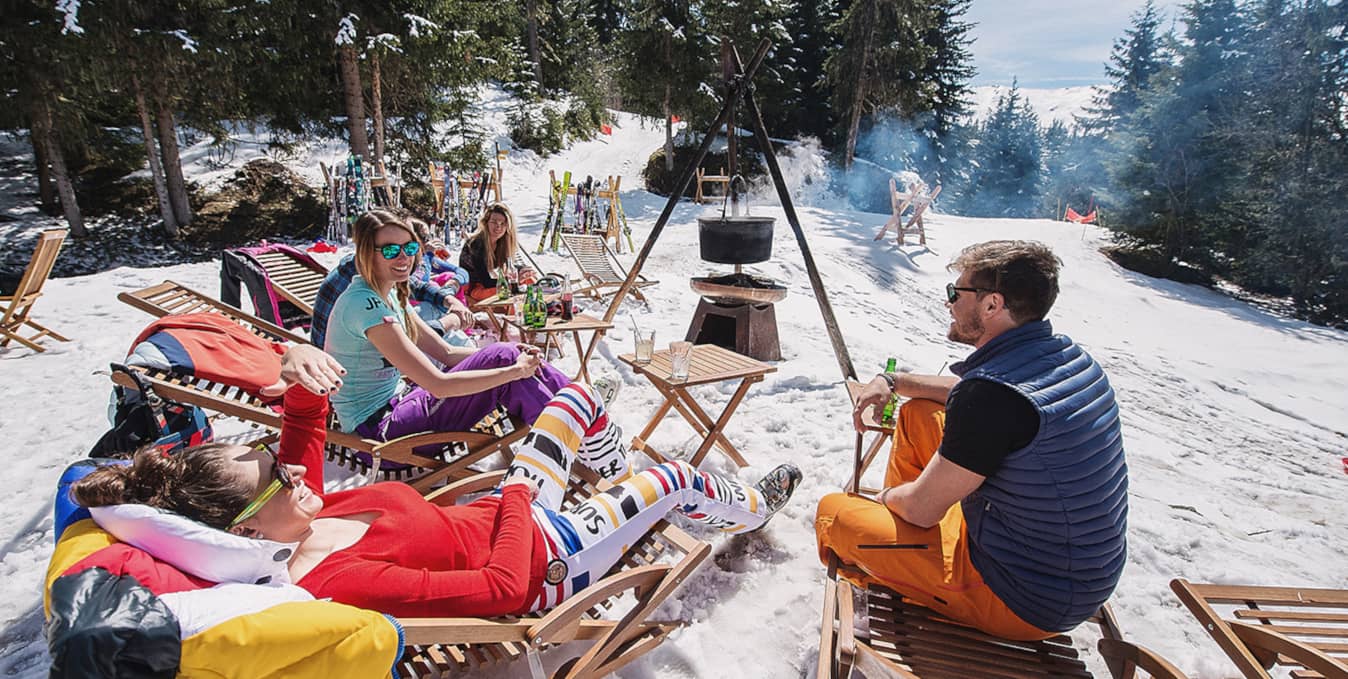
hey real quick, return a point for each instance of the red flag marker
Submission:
(674, 119)
(606, 129)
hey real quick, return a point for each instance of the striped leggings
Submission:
(584, 542)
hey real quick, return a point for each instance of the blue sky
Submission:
(1049, 43)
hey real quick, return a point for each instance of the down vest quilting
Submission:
(1047, 531)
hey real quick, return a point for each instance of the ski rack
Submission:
(438, 185)
(739, 85)
(612, 225)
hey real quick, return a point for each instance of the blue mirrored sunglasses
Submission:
(390, 251)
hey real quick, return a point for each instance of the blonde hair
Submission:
(503, 251)
(367, 255)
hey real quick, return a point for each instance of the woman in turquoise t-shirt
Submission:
(372, 333)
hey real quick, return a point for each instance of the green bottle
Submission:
(887, 416)
(502, 284)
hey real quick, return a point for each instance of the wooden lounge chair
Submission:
(295, 280)
(908, 641)
(1302, 629)
(15, 309)
(599, 266)
(496, 433)
(917, 196)
(652, 569)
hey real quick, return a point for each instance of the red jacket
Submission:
(418, 559)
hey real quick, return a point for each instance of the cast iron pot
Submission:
(735, 240)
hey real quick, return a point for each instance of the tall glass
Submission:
(645, 346)
(680, 355)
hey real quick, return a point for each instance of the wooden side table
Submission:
(708, 364)
(579, 323)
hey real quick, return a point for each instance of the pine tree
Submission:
(1135, 59)
(799, 106)
(946, 77)
(1006, 179)
(35, 46)
(667, 62)
(877, 64)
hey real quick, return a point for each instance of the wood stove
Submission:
(736, 310)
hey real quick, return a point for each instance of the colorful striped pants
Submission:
(585, 541)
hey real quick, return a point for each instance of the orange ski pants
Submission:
(930, 566)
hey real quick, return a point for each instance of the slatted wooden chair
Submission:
(652, 569)
(16, 309)
(917, 196)
(295, 280)
(461, 449)
(599, 266)
(1301, 629)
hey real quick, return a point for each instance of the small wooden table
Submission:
(708, 364)
(579, 323)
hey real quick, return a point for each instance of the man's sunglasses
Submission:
(281, 478)
(952, 293)
(390, 251)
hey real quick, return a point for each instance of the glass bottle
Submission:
(567, 312)
(502, 284)
(887, 416)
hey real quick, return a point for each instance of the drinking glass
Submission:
(680, 355)
(645, 346)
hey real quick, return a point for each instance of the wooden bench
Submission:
(703, 178)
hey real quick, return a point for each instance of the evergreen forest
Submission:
(1215, 151)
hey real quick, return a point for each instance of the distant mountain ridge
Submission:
(1059, 103)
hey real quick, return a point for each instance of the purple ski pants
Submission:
(418, 411)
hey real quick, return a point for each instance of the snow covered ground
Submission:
(1234, 418)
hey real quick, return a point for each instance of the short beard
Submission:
(970, 337)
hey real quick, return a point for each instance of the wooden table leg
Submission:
(639, 441)
(872, 451)
(714, 435)
(585, 354)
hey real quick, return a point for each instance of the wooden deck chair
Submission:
(294, 280)
(15, 309)
(1304, 630)
(908, 641)
(599, 266)
(919, 197)
(463, 449)
(652, 569)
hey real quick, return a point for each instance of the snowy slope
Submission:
(1234, 419)
(1049, 103)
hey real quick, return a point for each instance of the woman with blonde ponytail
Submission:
(373, 333)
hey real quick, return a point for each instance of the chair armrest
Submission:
(561, 623)
(1264, 642)
(400, 449)
(1123, 659)
(477, 483)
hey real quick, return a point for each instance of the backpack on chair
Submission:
(140, 417)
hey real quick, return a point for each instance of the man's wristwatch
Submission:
(889, 379)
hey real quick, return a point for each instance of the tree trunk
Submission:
(377, 98)
(173, 166)
(355, 101)
(152, 152)
(669, 134)
(534, 54)
(859, 93)
(50, 146)
(46, 190)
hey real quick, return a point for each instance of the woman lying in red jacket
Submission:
(386, 548)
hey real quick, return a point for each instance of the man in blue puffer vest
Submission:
(1006, 497)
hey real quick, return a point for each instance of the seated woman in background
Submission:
(384, 547)
(372, 333)
(488, 248)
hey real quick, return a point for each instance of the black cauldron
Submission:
(735, 240)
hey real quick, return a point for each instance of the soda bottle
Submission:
(887, 416)
(513, 276)
(502, 284)
(567, 313)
